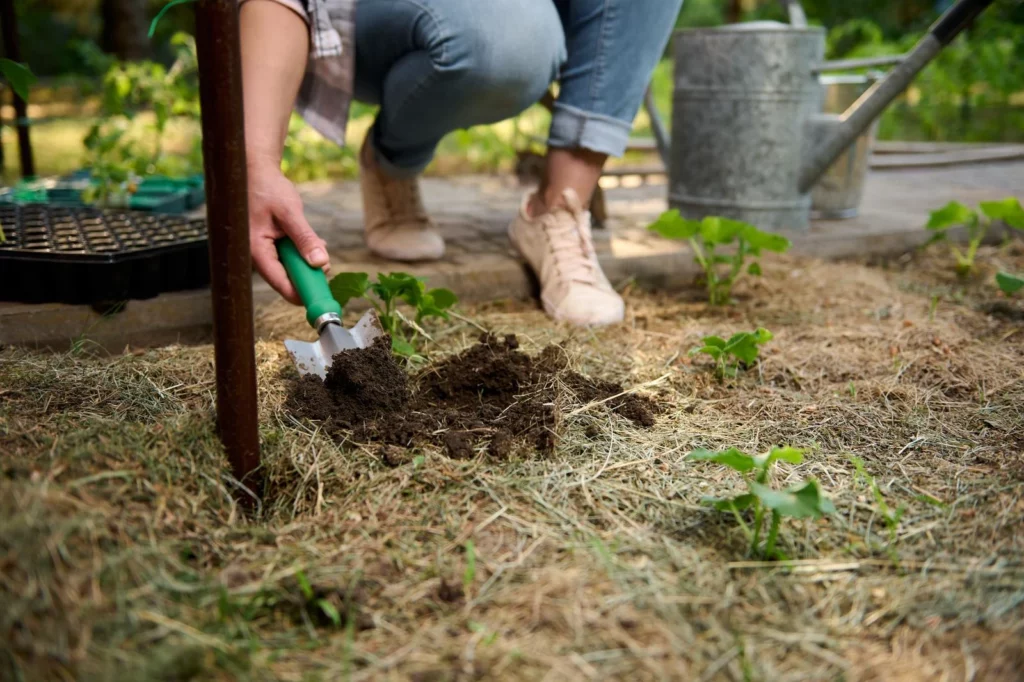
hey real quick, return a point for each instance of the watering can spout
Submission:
(829, 136)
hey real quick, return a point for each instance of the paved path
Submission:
(473, 212)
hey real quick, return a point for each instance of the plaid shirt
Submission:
(326, 90)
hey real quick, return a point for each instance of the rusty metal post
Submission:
(227, 216)
(12, 50)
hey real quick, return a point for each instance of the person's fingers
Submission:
(291, 219)
(266, 262)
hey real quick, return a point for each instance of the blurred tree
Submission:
(124, 28)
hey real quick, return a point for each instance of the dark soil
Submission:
(450, 593)
(361, 385)
(491, 394)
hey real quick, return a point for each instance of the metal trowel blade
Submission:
(315, 358)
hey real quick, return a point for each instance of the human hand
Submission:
(275, 211)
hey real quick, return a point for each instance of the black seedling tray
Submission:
(79, 254)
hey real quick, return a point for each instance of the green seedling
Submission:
(890, 517)
(18, 76)
(707, 236)
(1008, 283)
(801, 500)
(739, 351)
(388, 291)
(954, 214)
(326, 607)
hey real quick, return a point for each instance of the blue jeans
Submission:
(435, 66)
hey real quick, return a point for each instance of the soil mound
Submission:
(492, 395)
(361, 385)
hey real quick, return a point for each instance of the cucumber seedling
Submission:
(801, 500)
(387, 292)
(708, 236)
(740, 350)
(954, 214)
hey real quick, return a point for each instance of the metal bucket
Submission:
(743, 96)
(839, 192)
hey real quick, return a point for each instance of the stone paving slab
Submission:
(473, 213)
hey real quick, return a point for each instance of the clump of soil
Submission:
(361, 385)
(492, 393)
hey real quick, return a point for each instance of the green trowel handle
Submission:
(310, 282)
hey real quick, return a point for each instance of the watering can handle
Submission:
(310, 282)
(957, 19)
(948, 27)
(797, 17)
(858, 117)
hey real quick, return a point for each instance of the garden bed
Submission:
(125, 557)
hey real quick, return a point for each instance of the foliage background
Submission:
(970, 93)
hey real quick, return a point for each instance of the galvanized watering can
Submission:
(749, 137)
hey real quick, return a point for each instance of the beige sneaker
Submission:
(559, 247)
(396, 224)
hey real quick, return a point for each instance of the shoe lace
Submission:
(572, 248)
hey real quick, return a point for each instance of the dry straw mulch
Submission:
(123, 555)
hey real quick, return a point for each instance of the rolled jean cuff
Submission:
(400, 172)
(411, 169)
(573, 128)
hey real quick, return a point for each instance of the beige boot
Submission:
(396, 224)
(559, 247)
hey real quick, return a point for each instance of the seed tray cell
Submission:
(84, 255)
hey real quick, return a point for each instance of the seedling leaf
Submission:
(754, 269)
(732, 458)
(805, 501)
(18, 75)
(399, 285)
(1010, 284)
(714, 351)
(717, 230)
(744, 346)
(400, 346)
(673, 226)
(443, 298)
(330, 611)
(304, 586)
(786, 454)
(951, 215)
(759, 239)
(348, 285)
(1008, 210)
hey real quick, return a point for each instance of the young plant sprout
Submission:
(1008, 283)
(954, 214)
(388, 291)
(801, 500)
(18, 76)
(706, 237)
(741, 350)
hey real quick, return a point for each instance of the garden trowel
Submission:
(323, 314)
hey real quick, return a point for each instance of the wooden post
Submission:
(12, 50)
(227, 215)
